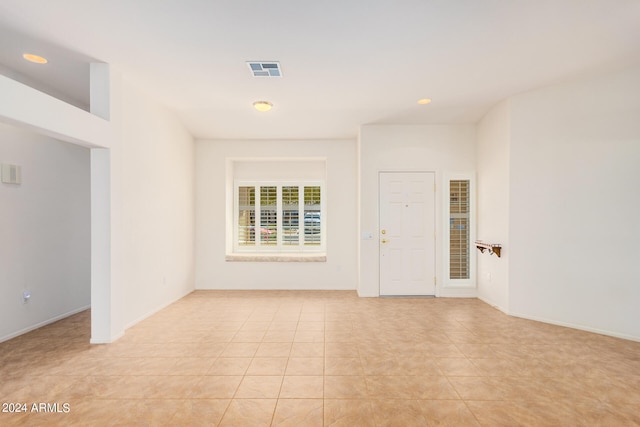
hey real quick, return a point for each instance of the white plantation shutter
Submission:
(268, 215)
(290, 215)
(459, 229)
(279, 217)
(246, 215)
(312, 216)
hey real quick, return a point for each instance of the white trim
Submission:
(457, 292)
(562, 324)
(107, 341)
(138, 320)
(461, 285)
(578, 327)
(380, 172)
(277, 257)
(492, 304)
(154, 311)
(44, 323)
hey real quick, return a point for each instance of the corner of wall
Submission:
(493, 187)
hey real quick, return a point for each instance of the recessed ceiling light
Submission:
(424, 101)
(262, 106)
(37, 59)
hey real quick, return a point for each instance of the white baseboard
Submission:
(563, 324)
(43, 323)
(451, 292)
(272, 287)
(579, 327)
(155, 310)
(362, 294)
(107, 341)
(138, 320)
(497, 307)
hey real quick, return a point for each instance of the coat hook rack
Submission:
(493, 248)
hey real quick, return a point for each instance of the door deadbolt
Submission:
(384, 231)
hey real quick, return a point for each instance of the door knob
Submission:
(384, 240)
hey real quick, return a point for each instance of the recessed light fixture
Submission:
(262, 106)
(424, 101)
(36, 59)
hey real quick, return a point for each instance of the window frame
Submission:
(279, 248)
(446, 243)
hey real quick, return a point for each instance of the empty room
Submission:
(243, 213)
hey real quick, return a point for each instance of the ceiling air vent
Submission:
(265, 68)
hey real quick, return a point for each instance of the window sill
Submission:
(276, 258)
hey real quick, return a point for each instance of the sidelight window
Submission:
(459, 230)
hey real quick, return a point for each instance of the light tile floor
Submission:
(280, 358)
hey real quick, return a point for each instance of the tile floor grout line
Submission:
(384, 331)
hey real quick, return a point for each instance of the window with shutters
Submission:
(459, 213)
(279, 217)
(459, 220)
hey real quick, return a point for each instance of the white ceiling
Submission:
(345, 63)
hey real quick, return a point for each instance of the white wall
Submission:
(29, 108)
(153, 217)
(575, 198)
(44, 231)
(492, 159)
(149, 170)
(213, 192)
(406, 148)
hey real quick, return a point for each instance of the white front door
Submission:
(407, 233)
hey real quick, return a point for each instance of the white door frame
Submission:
(415, 274)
